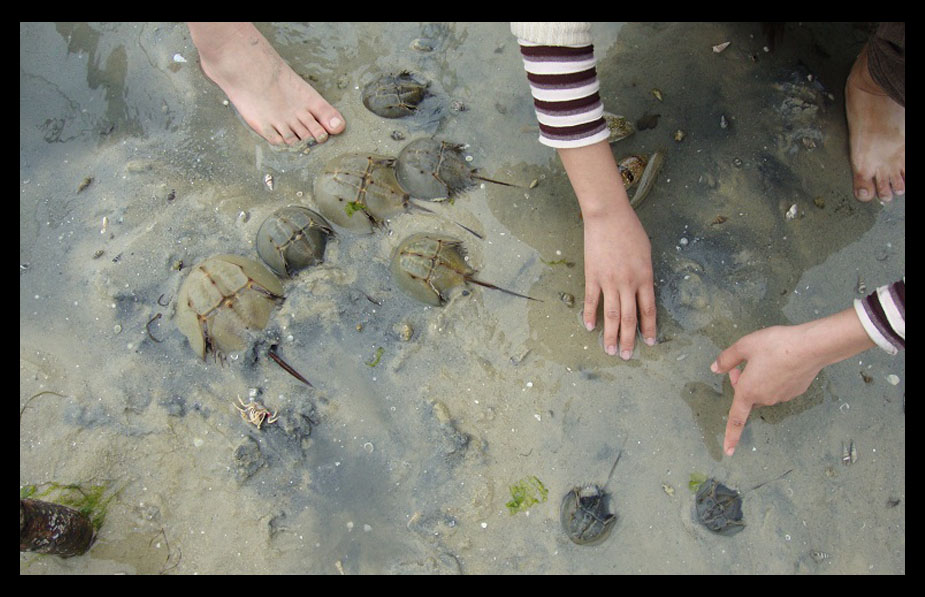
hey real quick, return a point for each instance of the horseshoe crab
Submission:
(394, 96)
(431, 169)
(426, 267)
(639, 169)
(358, 191)
(222, 298)
(292, 238)
(585, 513)
(719, 508)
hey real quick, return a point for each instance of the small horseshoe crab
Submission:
(292, 238)
(637, 169)
(359, 191)
(221, 299)
(393, 95)
(585, 513)
(431, 169)
(427, 267)
(719, 508)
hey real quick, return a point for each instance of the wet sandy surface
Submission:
(405, 466)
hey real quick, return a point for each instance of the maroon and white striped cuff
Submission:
(883, 315)
(563, 81)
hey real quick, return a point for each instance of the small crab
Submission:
(254, 412)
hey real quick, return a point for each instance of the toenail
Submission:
(335, 122)
(863, 194)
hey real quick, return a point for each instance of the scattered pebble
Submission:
(893, 379)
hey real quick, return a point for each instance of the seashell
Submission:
(647, 180)
(819, 556)
(658, 94)
(679, 135)
(720, 47)
(853, 453)
(792, 212)
(268, 180)
(422, 45)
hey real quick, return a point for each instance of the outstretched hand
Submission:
(782, 362)
(618, 255)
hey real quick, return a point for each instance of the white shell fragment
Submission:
(792, 212)
(720, 47)
(178, 58)
(268, 180)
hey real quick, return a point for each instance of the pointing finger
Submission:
(735, 424)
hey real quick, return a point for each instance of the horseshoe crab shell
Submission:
(427, 267)
(719, 508)
(585, 515)
(357, 190)
(393, 95)
(222, 299)
(292, 238)
(432, 169)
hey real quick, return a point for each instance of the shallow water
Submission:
(405, 466)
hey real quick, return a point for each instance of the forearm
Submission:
(595, 179)
(834, 338)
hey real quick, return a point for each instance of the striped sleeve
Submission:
(563, 81)
(883, 315)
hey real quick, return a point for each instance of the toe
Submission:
(898, 182)
(884, 191)
(863, 188)
(316, 130)
(269, 133)
(301, 131)
(329, 118)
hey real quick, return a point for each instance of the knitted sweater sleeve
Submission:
(561, 71)
(883, 315)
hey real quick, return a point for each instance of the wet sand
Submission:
(405, 466)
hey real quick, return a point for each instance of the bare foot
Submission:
(276, 102)
(877, 136)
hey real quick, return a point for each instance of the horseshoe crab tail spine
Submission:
(470, 231)
(507, 184)
(433, 213)
(771, 481)
(616, 462)
(487, 285)
(286, 367)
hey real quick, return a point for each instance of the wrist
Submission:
(835, 338)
